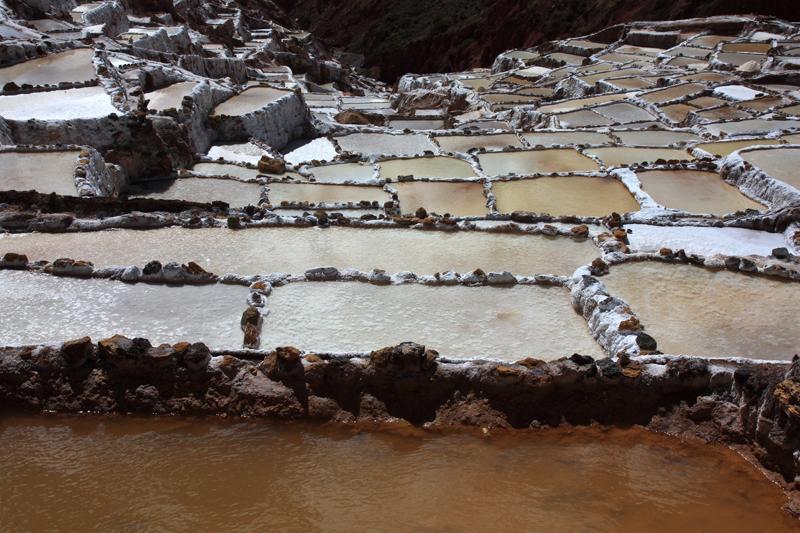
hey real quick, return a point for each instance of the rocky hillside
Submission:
(423, 36)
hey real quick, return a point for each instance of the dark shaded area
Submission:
(420, 36)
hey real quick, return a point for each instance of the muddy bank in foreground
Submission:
(223, 475)
(753, 405)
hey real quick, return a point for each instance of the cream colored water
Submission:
(249, 100)
(54, 309)
(536, 161)
(569, 195)
(458, 199)
(721, 149)
(385, 144)
(547, 138)
(780, 163)
(293, 250)
(223, 169)
(694, 311)
(457, 321)
(71, 66)
(46, 172)
(312, 193)
(617, 156)
(695, 191)
(355, 172)
(235, 193)
(426, 167)
(169, 97)
(465, 143)
(172, 474)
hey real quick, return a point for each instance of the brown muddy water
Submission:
(93, 473)
(567, 195)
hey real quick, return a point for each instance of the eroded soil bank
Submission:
(754, 406)
(97, 472)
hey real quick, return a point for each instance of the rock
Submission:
(152, 269)
(172, 273)
(781, 253)
(406, 356)
(629, 324)
(746, 265)
(76, 352)
(128, 356)
(252, 336)
(71, 268)
(322, 274)
(598, 267)
(665, 252)
(379, 277)
(193, 356)
(234, 222)
(732, 263)
(581, 360)
(359, 117)
(131, 274)
(421, 213)
(646, 342)
(580, 231)
(501, 278)
(284, 365)
(14, 261)
(252, 316)
(271, 165)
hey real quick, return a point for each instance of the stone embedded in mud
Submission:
(124, 355)
(580, 231)
(781, 253)
(70, 267)
(501, 278)
(598, 267)
(193, 356)
(284, 364)
(406, 356)
(646, 342)
(131, 274)
(271, 165)
(76, 352)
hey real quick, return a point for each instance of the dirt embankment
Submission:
(421, 36)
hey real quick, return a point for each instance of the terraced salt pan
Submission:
(623, 112)
(249, 100)
(426, 167)
(385, 144)
(315, 194)
(505, 323)
(222, 169)
(320, 149)
(695, 311)
(417, 124)
(571, 105)
(752, 127)
(207, 190)
(536, 161)
(294, 250)
(618, 155)
(338, 173)
(46, 172)
(561, 196)
(655, 137)
(547, 138)
(85, 102)
(237, 153)
(465, 143)
(458, 199)
(672, 93)
(54, 309)
(583, 118)
(780, 163)
(704, 241)
(169, 97)
(724, 148)
(72, 66)
(695, 191)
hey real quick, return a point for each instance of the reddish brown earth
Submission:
(421, 36)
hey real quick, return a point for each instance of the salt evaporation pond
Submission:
(294, 250)
(691, 310)
(723, 148)
(465, 143)
(207, 190)
(550, 138)
(46, 172)
(654, 137)
(505, 323)
(85, 102)
(72, 66)
(314, 194)
(385, 144)
(338, 173)
(97, 473)
(249, 100)
(780, 163)
(169, 97)
(223, 169)
(567, 195)
(695, 191)
(426, 167)
(703, 240)
(615, 156)
(54, 309)
(536, 162)
(458, 199)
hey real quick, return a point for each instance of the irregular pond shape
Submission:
(84, 102)
(780, 163)
(72, 66)
(695, 191)
(249, 100)
(567, 195)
